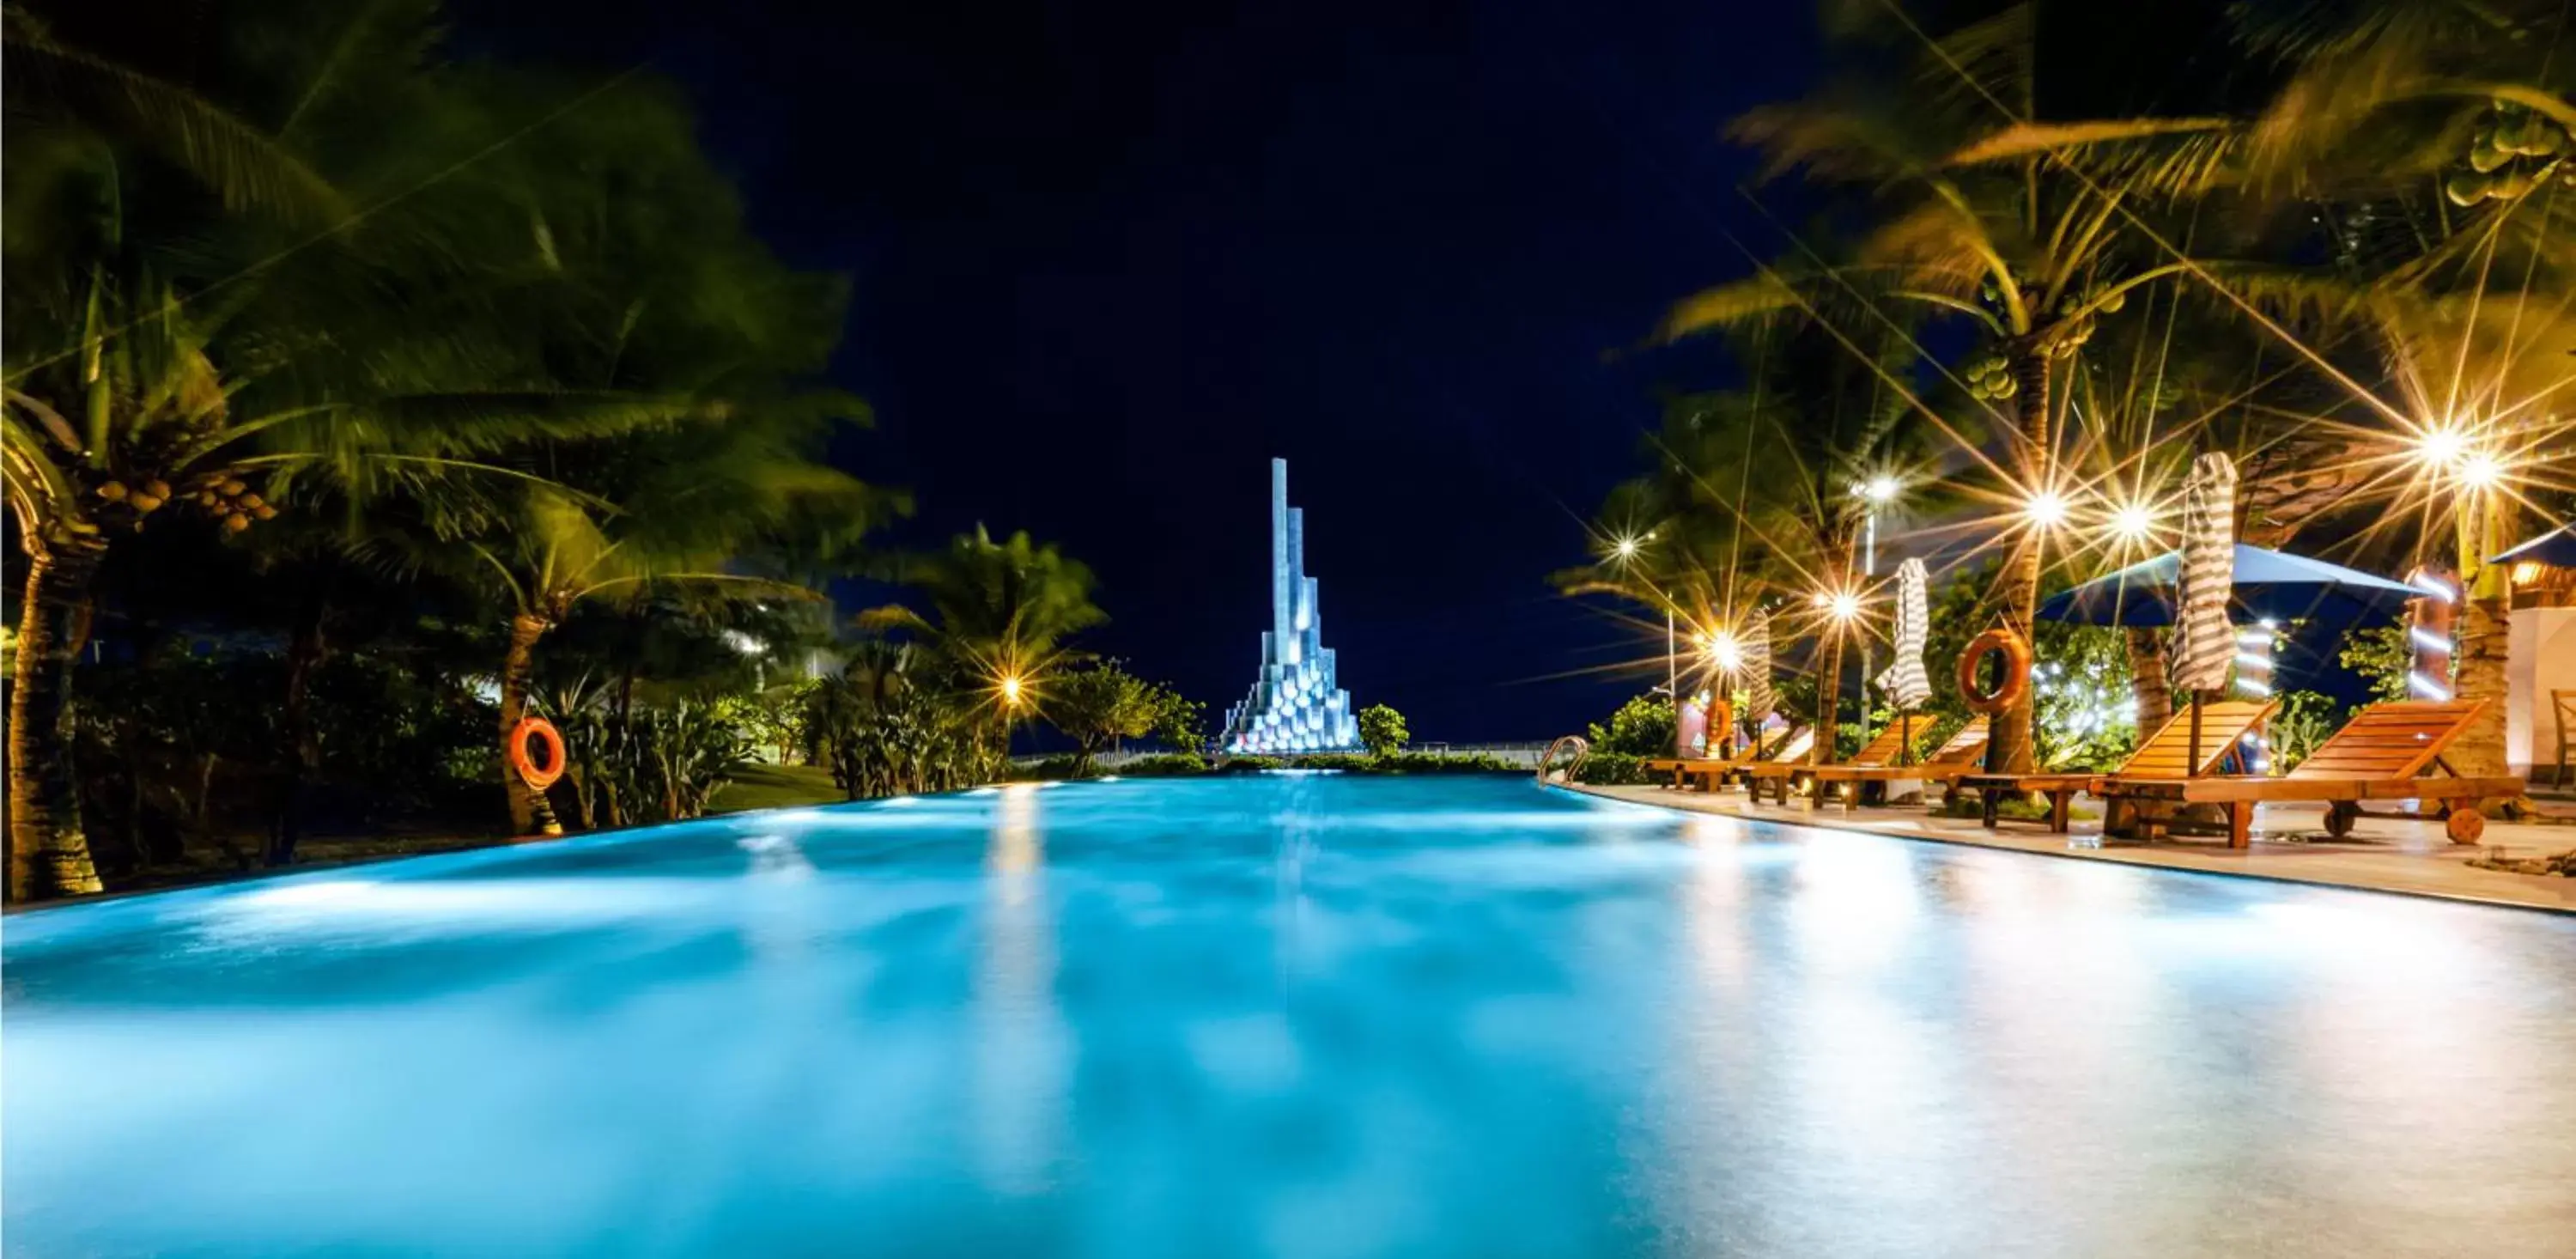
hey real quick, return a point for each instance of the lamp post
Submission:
(1876, 492)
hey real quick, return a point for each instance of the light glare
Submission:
(2134, 522)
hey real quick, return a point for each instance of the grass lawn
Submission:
(776, 787)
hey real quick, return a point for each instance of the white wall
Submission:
(2541, 655)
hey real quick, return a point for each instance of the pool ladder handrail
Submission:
(1582, 753)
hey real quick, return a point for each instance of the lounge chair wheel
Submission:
(2340, 817)
(2465, 823)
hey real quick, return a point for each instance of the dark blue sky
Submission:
(1108, 259)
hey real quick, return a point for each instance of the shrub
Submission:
(1644, 726)
(2303, 721)
(1247, 764)
(1436, 763)
(2383, 655)
(1610, 769)
(1352, 762)
(2015, 808)
(1060, 766)
(1382, 729)
(1174, 765)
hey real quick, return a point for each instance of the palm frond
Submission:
(246, 167)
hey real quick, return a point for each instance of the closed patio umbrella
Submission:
(1904, 680)
(2204, 644)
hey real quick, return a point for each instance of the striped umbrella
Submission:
(2204, 644)
(1903, 679)
(1755, 647)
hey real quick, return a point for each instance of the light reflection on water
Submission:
(1298, 1015)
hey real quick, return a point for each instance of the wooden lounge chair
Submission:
(2381, 754)
(1782, 774)
(2164, 758)
(1712, 773)
(1958, 755)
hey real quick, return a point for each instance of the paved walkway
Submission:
(2383, 854)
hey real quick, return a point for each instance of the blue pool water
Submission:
(1285, 1015)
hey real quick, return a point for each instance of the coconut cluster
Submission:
(2513, 152)
(1991, 377)
(220, 494)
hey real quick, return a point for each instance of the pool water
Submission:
(1304, 1015)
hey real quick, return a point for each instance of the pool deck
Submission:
(2384, 854)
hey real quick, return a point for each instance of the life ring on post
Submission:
(2013, 679)
(542, 730)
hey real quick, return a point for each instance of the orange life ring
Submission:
(1721, 715)
(517, 747)
(2016, 671)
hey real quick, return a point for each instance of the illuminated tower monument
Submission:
(1295, 706)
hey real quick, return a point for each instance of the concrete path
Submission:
(2384, 854)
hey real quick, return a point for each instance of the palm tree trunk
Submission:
(525, 629)
(2017, 587)
(304, 754)
(2147, 683)
(48, 852)
(1829, 672)
(2480, 674)
(2478, 659)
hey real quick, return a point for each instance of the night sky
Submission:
(1108, 259)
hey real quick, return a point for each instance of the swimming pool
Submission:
(1293, 1015)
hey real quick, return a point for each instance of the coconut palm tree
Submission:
(1982, 211)
(331, 272)
(696, 515)
(997, 609)
(1822, 417)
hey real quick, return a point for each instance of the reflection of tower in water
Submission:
(1020, 1051)
(1289, 860)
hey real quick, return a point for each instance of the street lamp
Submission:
(2046, 509)
(1877, 492)
(2481, 470)
(2135, 522)
(2442, 446)
(1724, 652)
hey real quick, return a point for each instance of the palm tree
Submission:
(1823, 417)
(2432, 144)
(1981, 213)
(997, 609)
(703, 506)
(197, 313)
